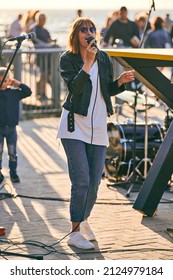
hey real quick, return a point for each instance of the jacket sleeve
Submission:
(74, 77)
(115, 89)
(24, 91)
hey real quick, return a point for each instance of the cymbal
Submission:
(129, 97)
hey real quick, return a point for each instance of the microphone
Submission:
(89, 39)
(31, 35)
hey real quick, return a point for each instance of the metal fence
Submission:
(39, 69)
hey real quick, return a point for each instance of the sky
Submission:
(86, 4)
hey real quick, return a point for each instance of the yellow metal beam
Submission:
(156, 54)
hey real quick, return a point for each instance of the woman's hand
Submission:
(126, 77)
(90, 56)
(92, 49)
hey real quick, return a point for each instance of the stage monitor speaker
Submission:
(157, 179)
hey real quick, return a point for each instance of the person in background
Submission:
(143, 25)
(79, 13)
(122, 29)
(157, 36)
(43, 37)
(9, 118)
(104, 29)
(114, 15)
(15, 28)
(88, 74)
(29, 20)
(43, 40)
(109, 20)
(168, 22)
(171, 33)
(122, 33)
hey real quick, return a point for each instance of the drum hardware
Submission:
(145, 160)
(135, 169)
(117, 108)
(123, 96)
(119, 161)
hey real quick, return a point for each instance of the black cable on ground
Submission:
(50, 248)
(80, 252)
(2, 253)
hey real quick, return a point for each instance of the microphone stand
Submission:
(11, 61)
(145, 28)
(6, 72)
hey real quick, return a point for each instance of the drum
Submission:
(119, 153)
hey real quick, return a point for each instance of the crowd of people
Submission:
(120, 31)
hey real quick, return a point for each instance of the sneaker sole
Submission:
(80, 247)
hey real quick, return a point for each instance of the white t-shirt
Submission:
(92, 128)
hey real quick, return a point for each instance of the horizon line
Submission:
(74, 8)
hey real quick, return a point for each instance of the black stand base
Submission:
(157, 178)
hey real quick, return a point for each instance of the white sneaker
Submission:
(87, 231)
(78, 240)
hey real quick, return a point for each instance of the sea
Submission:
(58, 21)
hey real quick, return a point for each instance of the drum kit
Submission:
(131, 143)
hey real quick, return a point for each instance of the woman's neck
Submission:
(83, 53)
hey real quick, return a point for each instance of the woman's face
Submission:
(85, 32)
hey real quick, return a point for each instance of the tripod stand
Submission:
(145, 160)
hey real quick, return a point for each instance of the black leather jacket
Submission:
(79, 84)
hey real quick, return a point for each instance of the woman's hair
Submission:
(73, 38)
(158, 23)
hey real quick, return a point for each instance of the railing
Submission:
(39, 69)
